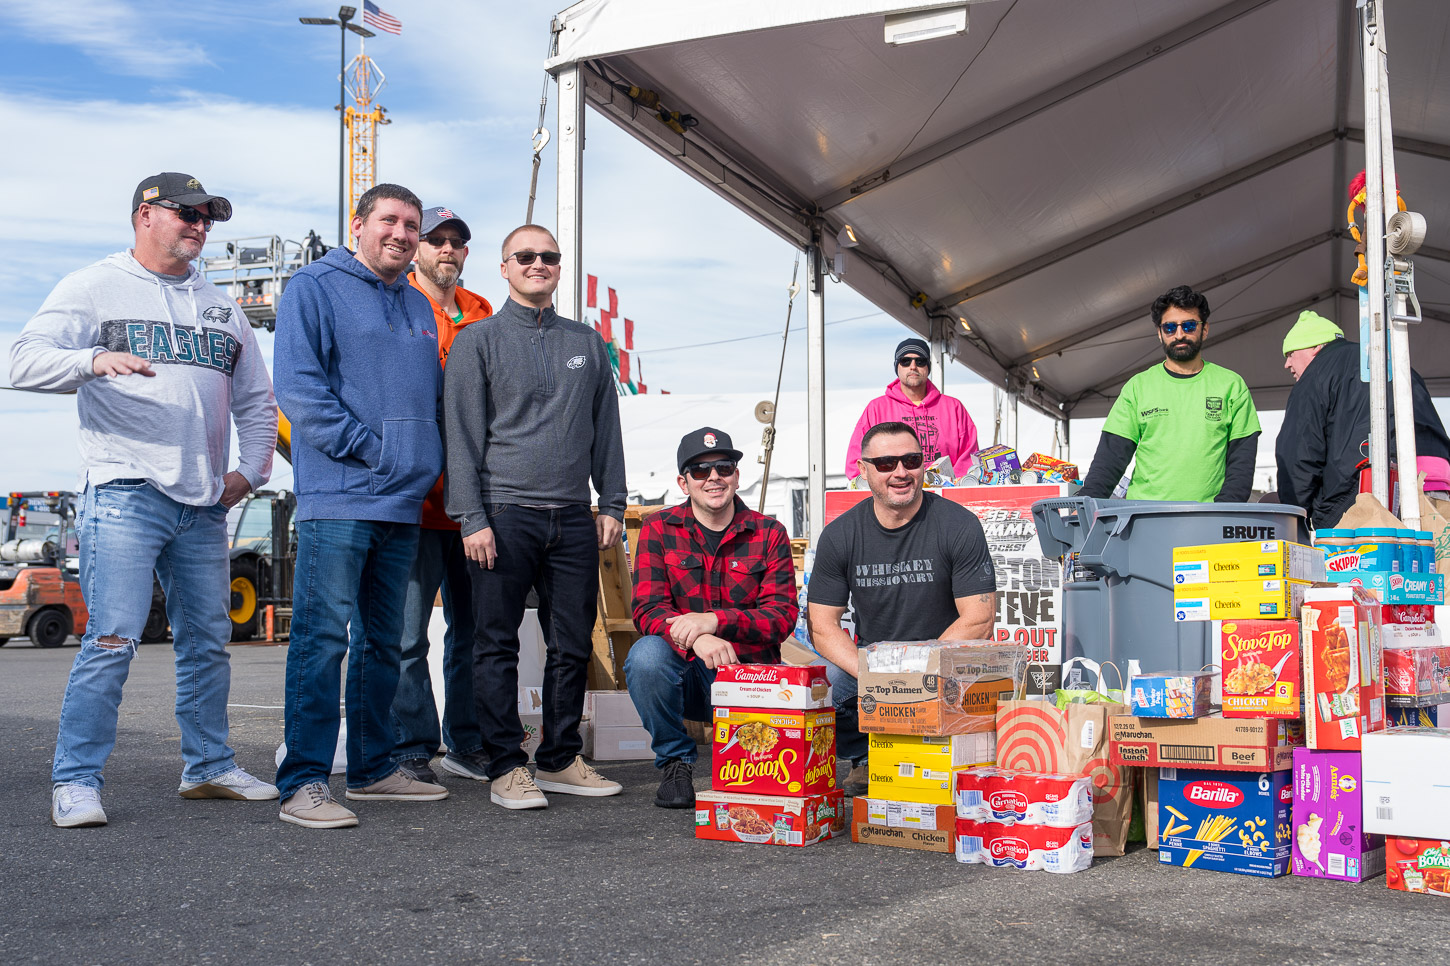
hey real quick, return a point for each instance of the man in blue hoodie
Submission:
(357, 375)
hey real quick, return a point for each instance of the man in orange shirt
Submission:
(442, 250)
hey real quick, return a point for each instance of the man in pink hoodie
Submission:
(941, 422)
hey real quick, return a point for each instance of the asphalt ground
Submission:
(584, 881)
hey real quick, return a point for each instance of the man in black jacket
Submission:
(1325, 434)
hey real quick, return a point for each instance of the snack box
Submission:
(1034, 798)
(997, 459)
(1232, 744)
(1329, 837)
(910, 783)
(1171, 694)
(769, 819)
(905, 825)
(1248, 560)
(935, 687)
(1418, 865)
(1417, 677)
(1407, 782)
(1238, 600)
(1021, 846)
(1225, 822)
(774, 752)
(1260, 662)
(1343, 697)
(1052, 470)
(1389, 587)
(937, 752)
(771, 686)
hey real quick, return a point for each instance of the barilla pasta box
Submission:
(1224, 821)
(1260, 661)
(1329, 837)
(770, 819)
(936, 687)
(1171, 694)
(1036, 848)
(1417, 676)
(1035, 798)
(1247, 560)
(1407, 782)
(1343, 680)
(1418, 865)
(771, 686)
(1238, 600)
(1414, 717)
(774, 752)
(902, 825)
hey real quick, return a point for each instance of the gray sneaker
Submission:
(235, 784)
(472, 765)
(312, 806)
(398, 787)
(418, 769)
(76, 806)
(517, 790)
(578, 779)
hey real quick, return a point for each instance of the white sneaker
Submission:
(76, 806)
(235, 784)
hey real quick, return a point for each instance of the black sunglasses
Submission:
(186, 213)
(527, 258)
(701, 471)
(438, 241)
(1171, 327)
(909, 361)
(885, 464)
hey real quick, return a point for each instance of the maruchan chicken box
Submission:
(1418, 865)
(770, 819)
(1224, 821)
(1261, 675)
(902, 825)
(774, 752)
(1343, 673)
(797, 688)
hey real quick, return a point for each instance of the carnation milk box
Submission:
(1032, 847)
(1225, 821)
(1343, 672)
(1329, 837)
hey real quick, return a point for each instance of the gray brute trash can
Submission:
(1118, 571)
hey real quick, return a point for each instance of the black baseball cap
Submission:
(910, 345)
(442, 215)
(704, 442)
(182, 189)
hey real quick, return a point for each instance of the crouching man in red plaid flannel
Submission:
(713, 584)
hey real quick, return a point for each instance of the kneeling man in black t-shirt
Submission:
(914, 567)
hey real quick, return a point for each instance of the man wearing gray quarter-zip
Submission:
(531, 416)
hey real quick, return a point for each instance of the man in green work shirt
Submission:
(1191, 424)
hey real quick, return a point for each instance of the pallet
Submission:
(614, 631)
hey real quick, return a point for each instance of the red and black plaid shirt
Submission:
(748, 583)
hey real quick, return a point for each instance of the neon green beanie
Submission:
(1312, 329)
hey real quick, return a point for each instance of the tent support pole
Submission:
(569, 300)
(1374, 241)
(816, 391)
(939, 354)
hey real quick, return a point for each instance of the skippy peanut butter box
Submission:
(936, 687)
(774, 752)
(1261, 677)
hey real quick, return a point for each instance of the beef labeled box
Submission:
(1239, 600)
(774, 752)
(799, 688)
(1233, 744)
(1417, 676)
(904, 825)
(1247, 560)
(1171, 694)
(935, 687)
(1407, 782)
(1329, 837)
(1343, 680)
(770, 819)
(1224, 822)
(1417, 865)
(1261, 674)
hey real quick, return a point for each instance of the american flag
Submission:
(374, 16)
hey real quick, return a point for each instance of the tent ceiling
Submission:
(1044, 176)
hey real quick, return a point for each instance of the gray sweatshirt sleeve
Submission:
(254, 409)
(55, 350)
(465, 431)
(607, 457)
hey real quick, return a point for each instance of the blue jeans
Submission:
(440, 564)
(850, 742)
(127, 529)
(557, 553)
(342, 565)
(667, 689)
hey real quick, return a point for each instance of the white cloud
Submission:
(120, 36)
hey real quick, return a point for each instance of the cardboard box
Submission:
(1417, 865)
(937, 752)
(908, 782)
(1150, 807)
(765, 752)
(1261, 674)
(1395, 588)
(1225, 822)
(935, 688)
(1417, 677)
(611, 743)
(533, 733)
(1171, 694)
(1415, 717)
(1249, 560)
(1032, 847)
(904, 825)
(997, 460)
(1240, 600)
(1329, 837)
(1233, 744)
(771, 686)
(611, 709)
(769, 819)
(1406, 787)
(1343, 682)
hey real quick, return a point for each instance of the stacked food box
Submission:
(774, 758)
(929, 709)
(1024, 820)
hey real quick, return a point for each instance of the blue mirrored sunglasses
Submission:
(1171, 327)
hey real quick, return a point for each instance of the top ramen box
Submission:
(1232, 744)
(1261, 676)
(771, 686)
(1343, 679)
(769, 819)
(1250, 560)
(936, 687)
(774, 752)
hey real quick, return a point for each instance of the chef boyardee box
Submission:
(1224, 821)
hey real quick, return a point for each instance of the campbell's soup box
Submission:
(774, 752)
(1329, 837)
(798, 688)
(1418, 865)
(1261, 676)
(936, 687)
(1343, 669)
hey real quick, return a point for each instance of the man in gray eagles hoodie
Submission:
(160, 361)
(531, 415)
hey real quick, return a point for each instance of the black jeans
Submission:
(555, 552)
